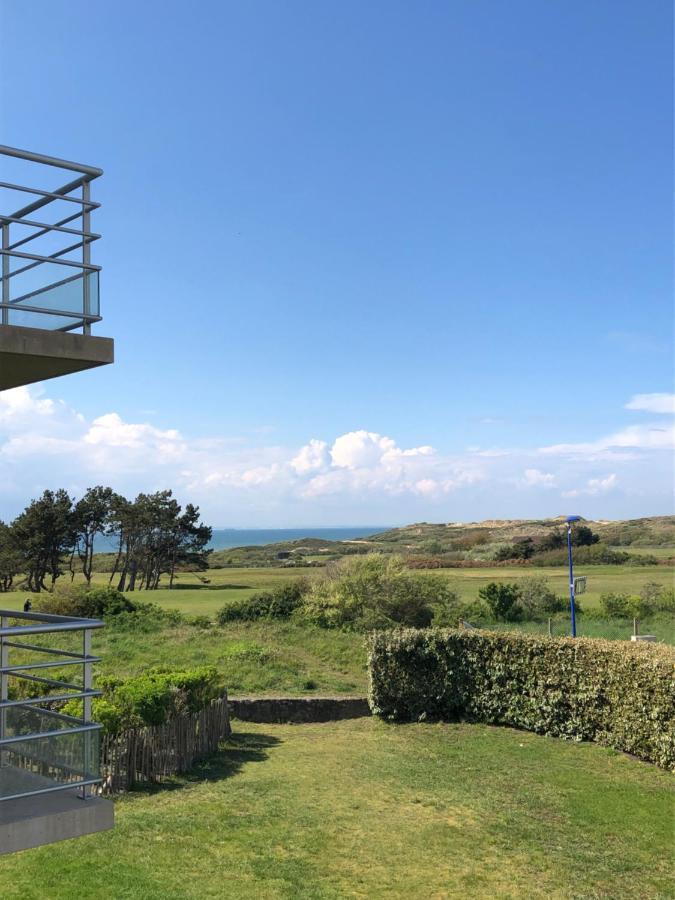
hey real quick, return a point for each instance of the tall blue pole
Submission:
(573, 616)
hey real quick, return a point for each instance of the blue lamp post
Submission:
(573, 617)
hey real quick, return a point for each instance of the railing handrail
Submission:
(20, 749)
(85, 295)
(62, 623)
(29, 156)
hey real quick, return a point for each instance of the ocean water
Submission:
(223, 538)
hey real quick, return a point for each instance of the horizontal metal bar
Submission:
(51, 682)
(7, 670)
(76, 720)
(78, 657)
(43, 629)
(31, 223)
(77, 215)
(57, 732)
(52, 698)
(80, 621)
(48, 196)
(28, 155)
(41, 310)
(58, 787)
(53, 258)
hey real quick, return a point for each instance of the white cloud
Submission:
(312, 457)
(653, 403)
(537, 478)
(635, 437)
(45, 443)
(360, 449)
(594, 486)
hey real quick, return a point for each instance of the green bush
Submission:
(594, 555)
(616, 693)
(152, 698)
(503, 600)
(360, 593)
(279, 603)
(537, 599)
(89, 603)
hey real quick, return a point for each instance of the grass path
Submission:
(364, 809)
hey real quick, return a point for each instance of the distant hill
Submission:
(653, 531)
(453, 540)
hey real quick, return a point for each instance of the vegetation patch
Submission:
(618, 694)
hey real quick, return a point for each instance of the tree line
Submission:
(55, 534)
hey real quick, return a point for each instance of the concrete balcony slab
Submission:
(46, 818)
(28, 355)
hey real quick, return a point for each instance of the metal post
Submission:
(4, 687)
(569, 556)
(86, 706)
(550, 630)
(4, 319)
(86, 257)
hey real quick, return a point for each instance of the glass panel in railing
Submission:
(36, 762)
(94, 302)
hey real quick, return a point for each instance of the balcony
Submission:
(49, 284)
(49, 761)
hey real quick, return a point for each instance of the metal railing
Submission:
(43, 749)
(57, 289)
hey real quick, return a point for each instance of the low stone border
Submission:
(298, 709)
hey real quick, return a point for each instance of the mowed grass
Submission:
(192, 596)
(364, 809)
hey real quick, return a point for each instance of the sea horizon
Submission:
(226, 538)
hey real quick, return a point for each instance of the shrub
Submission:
(374, 591)
(616, 605)
(537, 598)
(503, 600)
(279, 603)
(89, 603)
(152, 698)
(593, 555)
(612, 692)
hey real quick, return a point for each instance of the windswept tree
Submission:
(45, 533)
(154, 538)
(91, 517)
(10, 558)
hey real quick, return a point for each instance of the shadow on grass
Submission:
(236, 751)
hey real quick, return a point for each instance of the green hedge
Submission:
(152, 698)
(616, 693)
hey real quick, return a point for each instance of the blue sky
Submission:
(388, 225)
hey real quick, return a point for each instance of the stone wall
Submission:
(298, 709)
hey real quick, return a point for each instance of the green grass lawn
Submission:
(191, 596)
(364, 809)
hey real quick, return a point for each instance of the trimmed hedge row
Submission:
(618, 694)
(153, 698)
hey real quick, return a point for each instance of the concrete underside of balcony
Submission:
(46, 818)
(28, 355)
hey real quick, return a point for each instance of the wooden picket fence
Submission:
(150, 754)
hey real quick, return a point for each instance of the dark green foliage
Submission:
(612, 692)
(583, 536)
(503, 600)
(279, 603)
(10, 557)
(92, 603)
(44, 533)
